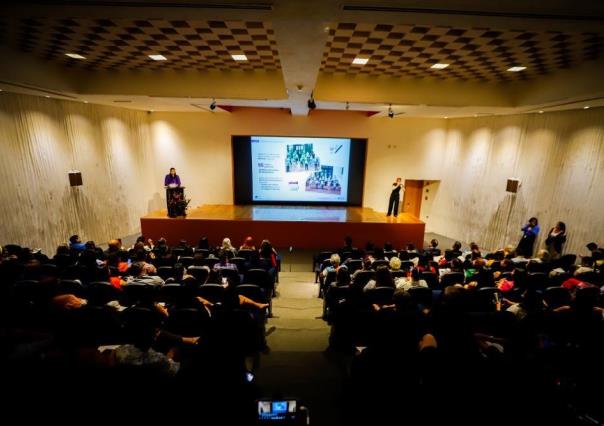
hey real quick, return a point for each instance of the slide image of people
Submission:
(301, 158)
(323, 181)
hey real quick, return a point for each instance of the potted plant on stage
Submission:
(178, 205)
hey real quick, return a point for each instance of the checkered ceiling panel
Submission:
(124, 45)
(473, 53)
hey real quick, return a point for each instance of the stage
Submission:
(307, 227)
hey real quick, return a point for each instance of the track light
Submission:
(311, 102)
(347, 106)
(213, 105)
(390, 112)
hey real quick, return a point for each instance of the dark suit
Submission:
(394, 199)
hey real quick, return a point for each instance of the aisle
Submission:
(298, 364)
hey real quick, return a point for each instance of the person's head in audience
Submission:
(592, 246)
(388, 246)
(454, 297)
(114, 245)
(266, 249)
(348, 242)
(403, 302)
(378, 253)
(543, 256)
(248, 244)
(367, 261)
(415, 274)
(479, 264)
(456, 265)
(383, 277)
(433, 243)
(369, 247)
(342, 277)
(334, 260)
(136, 270)
(179, 272)
(62, 249)
(456, 246)
(532, 300)
(162, 242)
(203, 243)
(198, 259)
(141, 239)
(138, 246)
(183, 243)
(410, 247)
(140, 256)
(90, 245)
(395, 263)
(74, 239)
(67, 302)
(226, 244)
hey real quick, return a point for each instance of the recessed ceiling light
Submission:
(516, 69)
(46, 96)
(239, 57)
(586, 107)
(439, 66)
(445, 117)
(540, 112)
(360, 61)
(158, 57)
(85, 102)
(75, 56)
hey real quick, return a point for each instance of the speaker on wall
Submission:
(75, 178)
(512, 185)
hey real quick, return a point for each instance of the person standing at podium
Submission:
(172, 179)
(394, 197)
(174, 194)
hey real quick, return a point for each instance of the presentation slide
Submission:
(300, 169)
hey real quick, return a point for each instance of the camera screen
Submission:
(276, 410)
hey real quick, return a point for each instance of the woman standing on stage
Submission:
(394, 197)
(172, 179)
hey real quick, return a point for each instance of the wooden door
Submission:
(412, 200)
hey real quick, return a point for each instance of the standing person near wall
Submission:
(555, 239)
(527, 242)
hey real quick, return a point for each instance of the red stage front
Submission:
(297, 226)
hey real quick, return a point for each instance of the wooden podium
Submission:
(175, 201)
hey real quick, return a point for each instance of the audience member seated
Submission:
(136, 275)
(140, 257)
(433, 249)
(404, 284)
(248, 244)
(76, 244)
(383, 278)
(227, 249)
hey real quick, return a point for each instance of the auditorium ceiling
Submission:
(180, 56)
(125, 44)
(481, 54)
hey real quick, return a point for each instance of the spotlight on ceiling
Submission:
(311, 102)
(390, 112)
(213, 105)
